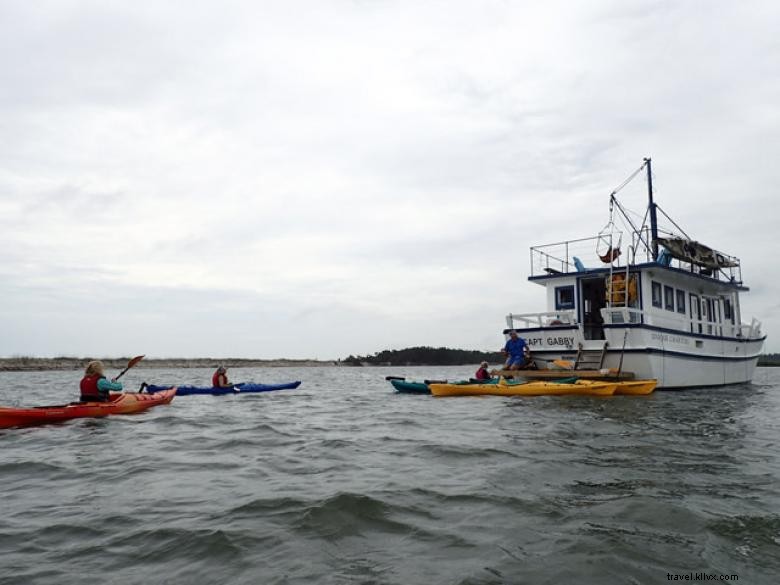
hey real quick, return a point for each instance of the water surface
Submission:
(343, 481)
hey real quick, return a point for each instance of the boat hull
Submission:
(243, 388)
(121, 403)
(677, 359)
(408, 387)
(525, 389)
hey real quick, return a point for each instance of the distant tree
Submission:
(427, 356)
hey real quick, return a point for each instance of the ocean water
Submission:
(342, 481)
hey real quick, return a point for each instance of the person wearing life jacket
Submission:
(94, 386)
(482, 372)
(220, 379)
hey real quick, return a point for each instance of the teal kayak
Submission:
(409, 387)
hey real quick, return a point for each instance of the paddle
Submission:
(130, 364)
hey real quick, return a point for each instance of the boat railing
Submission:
(571, 256)
(546, 319)
(621, 315)
(682, 323)
(575, 255)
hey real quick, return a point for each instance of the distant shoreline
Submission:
(33, 364)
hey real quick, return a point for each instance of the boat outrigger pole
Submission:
(651, 207)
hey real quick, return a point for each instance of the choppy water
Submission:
(343, 481)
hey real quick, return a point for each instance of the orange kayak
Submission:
(120, 403)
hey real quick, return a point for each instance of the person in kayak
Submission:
(220, 379)
(517, 352)
(482, 372)
(94, 386)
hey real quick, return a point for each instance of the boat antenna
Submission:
(651, 207)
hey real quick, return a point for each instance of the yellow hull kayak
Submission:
(630, 387)
(527, 389)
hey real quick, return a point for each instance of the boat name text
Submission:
(565, 341)
(665, 337)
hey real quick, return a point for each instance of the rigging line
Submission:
(628, 180)
(631, 223)
(674, 222)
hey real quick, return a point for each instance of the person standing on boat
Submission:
(220, 379)
(516, 351)
(94, 386)
(482, 372)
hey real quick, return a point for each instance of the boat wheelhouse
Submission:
(629, 299)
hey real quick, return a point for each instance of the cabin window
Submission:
(681, 301)
(656, 294)
(727, 312)
(669, 298)
(695, 313)
(564, 297)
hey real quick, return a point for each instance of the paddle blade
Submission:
(134, 361)
(130, 364)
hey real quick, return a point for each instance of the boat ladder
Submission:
(590, 359)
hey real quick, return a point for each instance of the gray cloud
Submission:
(319, 179)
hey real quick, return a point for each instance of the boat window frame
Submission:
(680, 294)
(656, 299)
(668, 296)
(693, 301)
(560, 305)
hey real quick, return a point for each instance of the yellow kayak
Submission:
(527, 389)
(630, 387)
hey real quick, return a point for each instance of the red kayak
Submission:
(121, 403)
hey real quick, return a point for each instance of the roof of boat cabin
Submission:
(541, 278)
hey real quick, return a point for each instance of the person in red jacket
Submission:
(482, 372)
(220, 379)
(94, 386)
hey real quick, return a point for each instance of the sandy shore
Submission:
(26, 364)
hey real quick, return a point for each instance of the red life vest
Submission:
(215, 379)
(482, 374)
(89, 387)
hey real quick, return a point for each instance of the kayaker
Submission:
(220, 379)
(482, 372)
(516, 351)
(94, 385)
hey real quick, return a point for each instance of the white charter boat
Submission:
(670, 312)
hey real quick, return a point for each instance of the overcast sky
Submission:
(313, 179)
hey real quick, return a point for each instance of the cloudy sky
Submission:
(311, 179)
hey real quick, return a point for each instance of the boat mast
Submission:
(651, 207)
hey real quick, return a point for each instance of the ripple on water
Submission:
(347, 482)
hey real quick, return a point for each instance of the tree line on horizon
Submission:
(769, 359)
(425, 356)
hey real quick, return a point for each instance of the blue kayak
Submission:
(242, 388)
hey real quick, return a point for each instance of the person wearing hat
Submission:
(482, 372)
(220, 379)
(516, 351)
